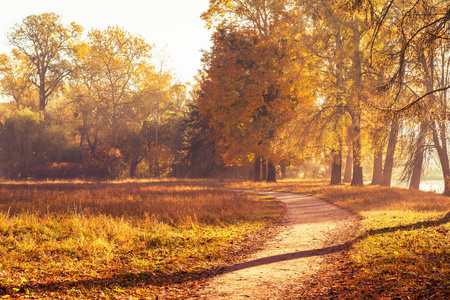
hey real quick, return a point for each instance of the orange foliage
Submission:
(248, 92)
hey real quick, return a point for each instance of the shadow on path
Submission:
(334, 249)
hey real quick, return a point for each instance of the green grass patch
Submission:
(123, 239)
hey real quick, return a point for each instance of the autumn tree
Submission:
(329, 44)
(165, 106)
(418, 22)
(410, 31)
(195, 157)
(15, 80)
(336, 40)
(431, 74)
(121, 99)
(46, 42)
(437, 78)
(254, 45)
(248, 94)
(105, 95)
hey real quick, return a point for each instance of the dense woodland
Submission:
(352, 90)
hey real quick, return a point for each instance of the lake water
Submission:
(436, 186)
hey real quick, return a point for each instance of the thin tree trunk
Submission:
(418, 157)
(419, 151)
(264, 169)
(336, 158)
(133, 168)
(441, 148)
(42, 98)
(377, 166)
(283, 169)
(336, 167)
(157, 146)
(251, 174)
(357, 179)
(257, 167)
(83, 128)
(218, 173)
(271, 172)
(389, 160)
(348, 167)
(378, 147)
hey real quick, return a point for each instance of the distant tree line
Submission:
(352, 90)
(97, 107)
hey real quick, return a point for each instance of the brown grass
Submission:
(100, 240)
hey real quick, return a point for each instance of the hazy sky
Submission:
(172, 23)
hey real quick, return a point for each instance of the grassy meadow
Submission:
(125, 240)
(149, 239)
(402, 249)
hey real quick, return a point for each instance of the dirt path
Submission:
(296, 252)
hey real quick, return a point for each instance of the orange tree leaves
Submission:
(247, 93)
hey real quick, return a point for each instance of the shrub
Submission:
(23, 142)
(104, 163)
(59, 171)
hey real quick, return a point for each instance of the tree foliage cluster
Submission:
(97, 105)
(343, 86)
(360, 82)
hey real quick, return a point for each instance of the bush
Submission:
(23, 143)
(104, 163)
(28, 148)
(59, 171)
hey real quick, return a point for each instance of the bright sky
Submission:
(174, 24)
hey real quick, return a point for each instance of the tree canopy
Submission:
(310, 87)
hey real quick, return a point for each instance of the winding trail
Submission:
(296, 252)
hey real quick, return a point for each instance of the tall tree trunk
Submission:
(257, 167)
(336, 158)
(42, 98)
(264, 169)
(283, 169)
(441, 148)
(157, 148)
(377, 173)
(389, 160)
(438, 126)
(378, 146)
(357, 179)
(348, 167)
(133, 167)
(271, 172)
(251, 173)
(418, 157)
(156, 169)
(443, 129)
(218, 173)
(336, 167)
(83, 133)
(336, 164)
(419, 151)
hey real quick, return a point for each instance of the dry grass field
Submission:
(123, 239)
(148, 239)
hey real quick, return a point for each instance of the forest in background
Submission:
(336, 87)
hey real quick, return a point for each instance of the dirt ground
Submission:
(294, 254)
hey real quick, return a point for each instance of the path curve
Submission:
(296, 252)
